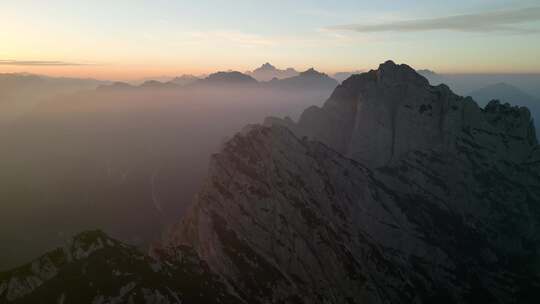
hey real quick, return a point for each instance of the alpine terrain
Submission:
(394, 191)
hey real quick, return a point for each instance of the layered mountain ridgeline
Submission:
(20, 92)
(267, 72)
(94, 268)
(394, 191)
(309, 79)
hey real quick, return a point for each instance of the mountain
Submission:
(154, 84)
(414, 195)
(341, 76)
(426, 73)
(227, 78)
(94, 268)
(463, 84)
(309, 79)
(433, 77)
(148, 84)
(505, 93)
(394, 191)
(508, 93)
(118, 85)
(120, 150)
(21, 92)
(267, 72)
(184, 80)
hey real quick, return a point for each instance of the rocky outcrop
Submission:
(94, 268)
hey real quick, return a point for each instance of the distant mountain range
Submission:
(185, 80)
(502, 91)
(267, 72)
(227, 78)
(466, 83)
(20, 92)
(505, 93)
(307, 79)
(304, 80)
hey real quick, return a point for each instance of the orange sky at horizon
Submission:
(129, 40)
(136, 72)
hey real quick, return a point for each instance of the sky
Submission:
(125, 40)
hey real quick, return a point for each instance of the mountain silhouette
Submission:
(307, 79)
(267, 72)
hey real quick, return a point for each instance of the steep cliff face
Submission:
(378, 116)
(416, 195)
(290, 220)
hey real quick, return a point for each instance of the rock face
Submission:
(94, 268)
(415, 195)
(394, 191)
(379, 116)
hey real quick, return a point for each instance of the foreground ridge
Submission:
(94, 268)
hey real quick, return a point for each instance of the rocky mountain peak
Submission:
(393, 74)
(266, 67)
(267, 72)
(311, 72)
(232, 77)
(379, 116)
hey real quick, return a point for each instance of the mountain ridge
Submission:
(267, 72)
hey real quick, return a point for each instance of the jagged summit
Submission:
(378, 116)
(392, 73)
(266, 66)
(388, 73)
(267, 72)
(311, 72)
(232, 77)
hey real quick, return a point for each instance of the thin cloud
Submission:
(494, 21)
(243, 39)
(40, 63)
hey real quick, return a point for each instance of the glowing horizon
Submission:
(134, 40)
